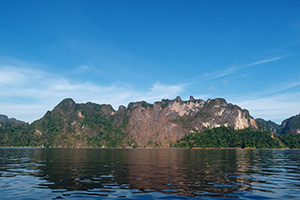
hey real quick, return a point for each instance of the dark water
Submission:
(149, 174)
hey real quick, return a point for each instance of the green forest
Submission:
(225, 137)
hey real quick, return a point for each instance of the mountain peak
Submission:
(65, 106)
(67, 101)
(178, 99)
(192, 98)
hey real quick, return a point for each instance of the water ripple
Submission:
(150, 174)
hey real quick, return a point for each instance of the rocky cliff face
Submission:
(166, 121)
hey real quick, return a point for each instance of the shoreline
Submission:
(142, 148)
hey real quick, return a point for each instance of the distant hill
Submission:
(269, 125)
(140, 124)
(288, 126)
(291, 125)
(4, 119)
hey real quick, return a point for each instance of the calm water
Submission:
(149, 174)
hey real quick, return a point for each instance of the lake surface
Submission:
(29, 173)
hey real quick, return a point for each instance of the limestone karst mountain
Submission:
(140, 124)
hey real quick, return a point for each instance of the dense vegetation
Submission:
(15, 134)
(225, 137)
(97, 131)
(22, 134)
(291, 140)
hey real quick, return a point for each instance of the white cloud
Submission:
(27, 93)
(16, 76)
(275, 108)
(160, 91)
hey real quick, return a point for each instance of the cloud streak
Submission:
(284, 87)
(227, 72)
(233, 70)
(263, 61)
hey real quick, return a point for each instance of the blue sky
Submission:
(247, 52)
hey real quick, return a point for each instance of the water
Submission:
(149, 174)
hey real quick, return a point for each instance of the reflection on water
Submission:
(150, 174)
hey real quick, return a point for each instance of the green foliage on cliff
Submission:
(224, 137)
(145, 104)
(165, 103)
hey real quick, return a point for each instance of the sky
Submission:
(121, 51)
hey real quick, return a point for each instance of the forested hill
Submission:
(225, 137)
(167, 123)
